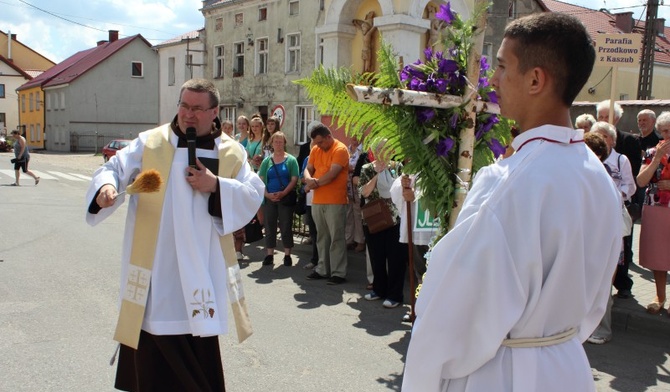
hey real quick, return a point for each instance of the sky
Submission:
(638, 7)
(57, 29)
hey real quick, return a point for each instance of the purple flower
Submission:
(445, 13)
(483, 65)
(414, 84)
(447, 66)
(483, 82)
(415, 72)
(453, 121)
(404, 75)
(424, 115)
(430, 82)
(441, 86)
(456, 82)
(485, 126)
(493, 97)
(439, 55)
(497, 148)
(429, 54)
(444, 146)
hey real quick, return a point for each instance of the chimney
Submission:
(100, 43)
(10, 37)
(113, 35)
(624, 22)
(660, 27)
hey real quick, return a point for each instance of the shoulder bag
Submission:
(377, 215)
(301, 203)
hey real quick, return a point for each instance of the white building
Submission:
(179, 59)
(11, 77)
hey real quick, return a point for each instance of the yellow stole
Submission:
(158, 155)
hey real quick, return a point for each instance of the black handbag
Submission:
(290, 198)
(301, 203)
(253, 231)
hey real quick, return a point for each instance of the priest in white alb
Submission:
(522, 278)
(179, 270)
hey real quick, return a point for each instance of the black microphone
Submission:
(190, 143)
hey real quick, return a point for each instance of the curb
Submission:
(637, 320)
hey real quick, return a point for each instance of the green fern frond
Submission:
(326, 88)
(389, 76)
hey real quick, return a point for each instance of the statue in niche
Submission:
(435, 26)
(367, 29)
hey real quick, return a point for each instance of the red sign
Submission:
(280, 113)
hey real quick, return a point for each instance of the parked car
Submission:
(112, 147)
(4, 145)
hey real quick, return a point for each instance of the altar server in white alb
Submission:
(522, 279)
(179, 271)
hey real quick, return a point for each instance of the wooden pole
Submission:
(613, 90)
(396, 96)
(467, 137)
(410, 251)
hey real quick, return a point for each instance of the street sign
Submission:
(279, 112)
(618, 49)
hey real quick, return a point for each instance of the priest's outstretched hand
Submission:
(106, 196)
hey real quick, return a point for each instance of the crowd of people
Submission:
(335, 182)
(637, 162)
(349, 177)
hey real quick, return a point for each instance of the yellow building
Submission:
(24, 57)
(31, 115)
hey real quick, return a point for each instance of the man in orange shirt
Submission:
(326, 176)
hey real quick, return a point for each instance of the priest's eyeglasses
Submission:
(197, 110)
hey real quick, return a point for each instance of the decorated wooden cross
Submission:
(405, 97)
(441, 112)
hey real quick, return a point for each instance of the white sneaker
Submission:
(389, 304)
(240, 256)
(372, 296)
(597, 340)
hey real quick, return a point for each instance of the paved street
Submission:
(59, 286)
